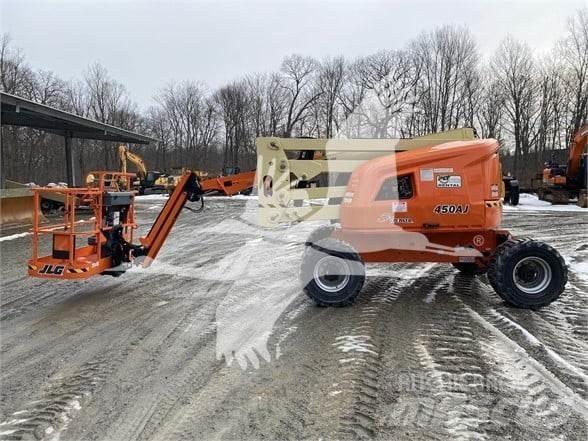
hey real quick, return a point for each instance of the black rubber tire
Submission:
(339, 249)
(501, 272)
(514, 197)
(320, 233)
(470, 269)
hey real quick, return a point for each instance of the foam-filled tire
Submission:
(527, 273)
(332, 272)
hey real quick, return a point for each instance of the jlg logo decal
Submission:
(52, 270)
(451, 209)
(449, 181)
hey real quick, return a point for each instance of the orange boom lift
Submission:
(103, 244)
(439, 203)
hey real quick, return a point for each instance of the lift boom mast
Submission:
(187, 189)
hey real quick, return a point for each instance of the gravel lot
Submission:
(217, 341)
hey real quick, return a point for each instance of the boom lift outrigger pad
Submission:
(429, 199)
(104, 243)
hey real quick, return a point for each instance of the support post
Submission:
(69, 165)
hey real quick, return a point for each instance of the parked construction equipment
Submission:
(103, 244)
(429, 199)
(560, 183)
(147, 181)
(16, 203)
(125, 155)
(16, 206)
(231, 182)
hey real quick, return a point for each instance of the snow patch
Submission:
(14, 236)
(530, 202)
(355, 343)
(580, 268)
(152, 197)
(239, 197)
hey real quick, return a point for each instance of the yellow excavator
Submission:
(146, 181)
(125, 155)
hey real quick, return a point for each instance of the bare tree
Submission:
(387, 79)
(489, 112)
(434, 83)
(331, 78)
(15, 75)
(514, 70)
(299, 83)
(352, 95)
(573, 51)
(446, 61)
(233, 105)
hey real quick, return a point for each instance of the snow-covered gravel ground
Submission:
(530, 202)
(217, 341)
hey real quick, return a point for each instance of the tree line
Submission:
(531, 102)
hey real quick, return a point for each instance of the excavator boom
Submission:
(126, 155)
(577, 147)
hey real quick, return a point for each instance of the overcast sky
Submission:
(145, 44)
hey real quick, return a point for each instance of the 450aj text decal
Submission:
(452, 209)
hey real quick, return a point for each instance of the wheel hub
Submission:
(332, 274)
(532, 275)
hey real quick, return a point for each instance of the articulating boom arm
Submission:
(187, 189)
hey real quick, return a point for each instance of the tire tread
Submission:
(506, 251)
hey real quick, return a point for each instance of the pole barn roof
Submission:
(18, 111)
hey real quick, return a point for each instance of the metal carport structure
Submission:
(17, 111)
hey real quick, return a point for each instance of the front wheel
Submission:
(527, 273)
(332, 273)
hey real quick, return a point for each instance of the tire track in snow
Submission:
(450, 353)
(48, 416)
(491, 323)
(545, 335)
(362, 343)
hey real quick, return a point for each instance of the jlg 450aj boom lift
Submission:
(104, 244)
(420, 200)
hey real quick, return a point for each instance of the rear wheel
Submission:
(332, 273)
(527, 273)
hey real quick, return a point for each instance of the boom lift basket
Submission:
(103, 244)
(78, 242)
